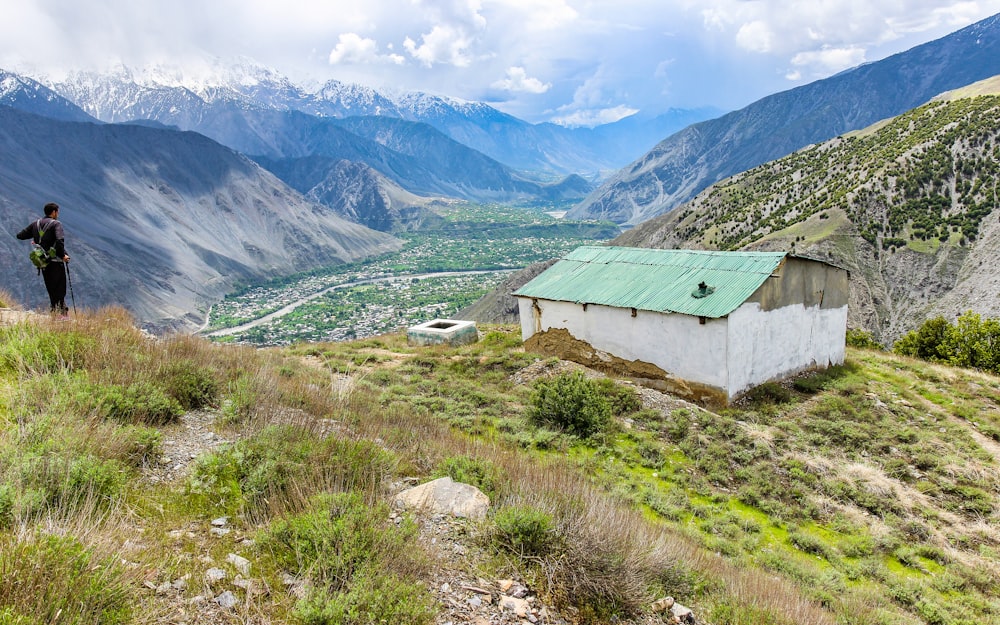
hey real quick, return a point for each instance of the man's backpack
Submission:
(40, 257)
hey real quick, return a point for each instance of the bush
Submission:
(55, 579)
(768, 393)
(192, 385)
(361, 569)
(30, 350)
(372, 598)
(572, 403)
(927, 342)
(971, 342)
(623, 399)
(281, 465)
(141, 402)
(524, 531)
(862, 339)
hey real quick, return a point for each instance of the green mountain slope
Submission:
(909, 206)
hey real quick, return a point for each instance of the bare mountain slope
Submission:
(161, 222)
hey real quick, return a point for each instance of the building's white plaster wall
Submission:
(526, 317)
(676, 343)
(764, 345)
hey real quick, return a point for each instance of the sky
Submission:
(574, 62)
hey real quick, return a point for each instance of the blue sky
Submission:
(571, 61)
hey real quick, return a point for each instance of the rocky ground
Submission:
(227, 591)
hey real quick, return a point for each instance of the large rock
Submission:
(445, 496)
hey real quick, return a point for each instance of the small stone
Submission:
(164, 588)
(474, 601)
(222, 521)
(446, 587)
(242, 564)
(219, 531)
(519, 592)
(214, 575)
(683, 614)
(227, 600)
(517, 606)
(505, 584)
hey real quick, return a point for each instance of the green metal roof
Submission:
(657, 280)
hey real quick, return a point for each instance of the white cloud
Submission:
(829, 60)
(594, 117)
(542, 14)
(518, 80)
(579, 60)
(353, 48)
(443, 45)
(755, 36)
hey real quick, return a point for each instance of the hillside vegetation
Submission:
(908, 206)
(864, 494)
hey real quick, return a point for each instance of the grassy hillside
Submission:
(866, 494)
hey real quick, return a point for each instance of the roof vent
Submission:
(703, 290)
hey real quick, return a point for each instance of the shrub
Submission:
(29, 350)
(139, 444)
(524, 531)
(572, 403)
(55, 579)
(141, 402)
(371, 598)
(192, 385)
(8, 499)
(280, 466)
(768, 393)
(862, 339)
(362, 569)
(7, 300)
(623, 399)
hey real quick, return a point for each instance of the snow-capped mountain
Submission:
(24, 93)
(188, 98)
(260, 113)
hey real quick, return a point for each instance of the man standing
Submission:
(48, 232)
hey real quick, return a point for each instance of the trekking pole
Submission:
(69, 279)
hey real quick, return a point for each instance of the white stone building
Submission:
(705, 325)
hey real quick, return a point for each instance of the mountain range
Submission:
(225, 105)
(688, 161)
